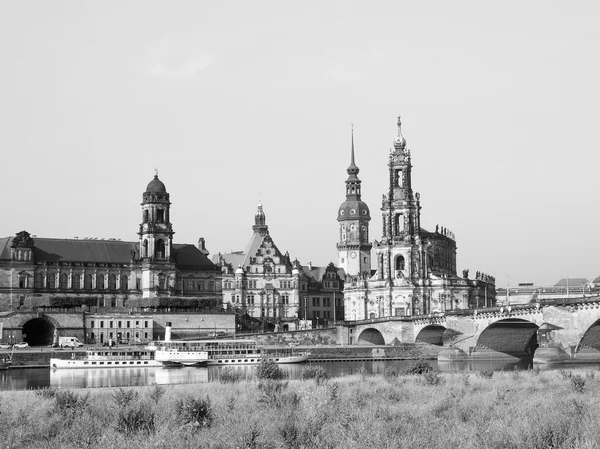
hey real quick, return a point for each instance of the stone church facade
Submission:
(415, 270)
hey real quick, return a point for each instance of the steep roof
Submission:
(187, 257)
(317, 273)
(572, 282)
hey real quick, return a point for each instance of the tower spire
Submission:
(352, 169)
(399, 141)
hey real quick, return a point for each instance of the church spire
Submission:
(399, 141)
(352, 169)
(352, 183)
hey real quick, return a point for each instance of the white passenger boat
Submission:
(108, 358)
(223, 352)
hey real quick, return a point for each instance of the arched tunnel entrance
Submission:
(515, 337)
(38, 332)
(432, 334)
(370, 337)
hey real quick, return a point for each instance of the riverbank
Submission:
(503, 409)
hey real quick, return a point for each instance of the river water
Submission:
(31, 378)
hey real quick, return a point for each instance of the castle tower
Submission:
(260, 221)
(156, 240)
(354, 249)
(398, 255)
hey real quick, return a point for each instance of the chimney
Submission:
(168, 331)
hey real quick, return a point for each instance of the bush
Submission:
(197, 412)
(67, 401)
(135, 419)
(269, 370)
(124, 397)
(316, 372)
(157, 393)
(578, 383)
(46, 392)
(229, 375)
(391, 373)
(419, 366)
(486, 374)
(433, 378)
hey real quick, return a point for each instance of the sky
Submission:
(237, 102)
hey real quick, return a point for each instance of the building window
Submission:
(201, 286)
(285, 299)
(101, 323)
(113, 302)
(161, 281)
(110, 324)
(250, 298)
(400, 264)
(100, 282)
(145, 216)
(189, 285)
(146, 335)
(39, 281)
(51, 280)
(137, 324)
(112, 282)
(211, 286)
(160, 215)
(145, 248)
(145, 323)
(128, 324)
(119, 323)
(76, 282)
(92, 324)
(87, 282)
(124, 282)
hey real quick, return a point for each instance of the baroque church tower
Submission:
(156, 240)
(354, 249)
(399, 254)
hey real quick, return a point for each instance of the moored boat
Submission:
(108, 358)
(223, 352)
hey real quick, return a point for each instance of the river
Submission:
(32, 378)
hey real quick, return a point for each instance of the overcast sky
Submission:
(240, 101)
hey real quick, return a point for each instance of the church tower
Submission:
(156, 240)
(354, 249)
(398, 253)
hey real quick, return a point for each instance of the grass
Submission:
(547, 409)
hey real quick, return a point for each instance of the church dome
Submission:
(156, 186)
(353, 210)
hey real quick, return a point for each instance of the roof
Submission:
(156, 185)
(572, 282)
(317, 273)
(187, 257)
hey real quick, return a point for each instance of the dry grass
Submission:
(529, 410)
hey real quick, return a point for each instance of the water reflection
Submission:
(22, 379)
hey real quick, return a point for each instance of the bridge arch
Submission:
(591, 338)
(432, 334)
(513, 336)
(370, 336)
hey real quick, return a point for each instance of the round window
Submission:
(352, 211)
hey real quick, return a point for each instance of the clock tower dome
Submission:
(354, 249)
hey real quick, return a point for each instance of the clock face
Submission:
(353, 255)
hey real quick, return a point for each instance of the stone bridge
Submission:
(568, 325)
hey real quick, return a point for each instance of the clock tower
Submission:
(354, 249)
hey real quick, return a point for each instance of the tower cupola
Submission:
(260, 221)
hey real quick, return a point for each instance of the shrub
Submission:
(578, 383)
(157, 392)
(433, 378)
(564, 374)
(229, 375)
(269, 370)
(363, 372)
(135, 419)
(197, 412)
(124, 397)
(486, 374)
(67, 401)
(391, 373)
(45, 392)
(419, 366)
(316, 372)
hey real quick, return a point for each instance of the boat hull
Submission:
(254, 360)
(186, 358)
(88, 363)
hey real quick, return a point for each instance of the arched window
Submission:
(161, 281)
(64, 281)
(145, 248)
(76, 282)
(400, 263)
(159, 251)
(124, 282)
(112, 282)
(51, 280)
(100, 282)
(145, 216)
(39, 280)
(87, 282)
